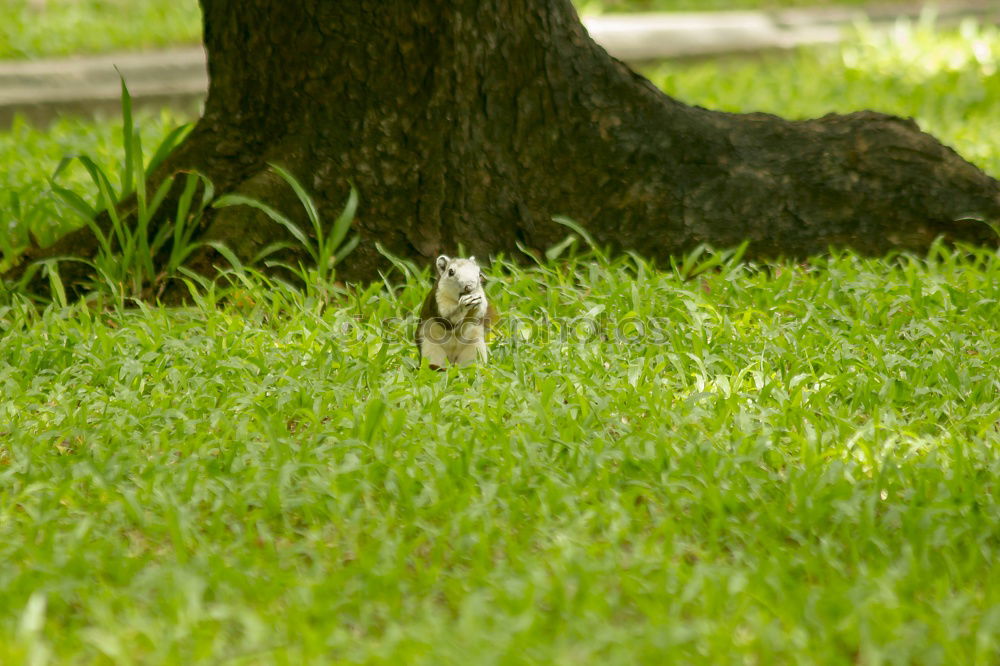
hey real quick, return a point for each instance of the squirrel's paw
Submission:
(470, 300)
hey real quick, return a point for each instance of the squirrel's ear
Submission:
(472, 259)
(442, 263)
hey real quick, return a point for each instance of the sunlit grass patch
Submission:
(38, 28)
(790, 462)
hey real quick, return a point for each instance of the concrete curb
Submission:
(639, 37)
(41, 90)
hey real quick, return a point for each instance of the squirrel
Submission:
(456, 317)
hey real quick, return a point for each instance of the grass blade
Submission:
(128, 131)
(167, 146)
(55, 281)
(344, 220)
(227, 253)
(345, 249)
(227, 200)
(584, 234)
(407, 268)
(76, 203)
(556, 250)
(304, 198)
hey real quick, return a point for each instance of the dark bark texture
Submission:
(473, 122)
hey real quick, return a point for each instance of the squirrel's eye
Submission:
(451, 272)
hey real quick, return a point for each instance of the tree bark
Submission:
(472, 123)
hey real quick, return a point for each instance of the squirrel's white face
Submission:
(457, 276)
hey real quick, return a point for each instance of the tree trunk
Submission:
(471, 123)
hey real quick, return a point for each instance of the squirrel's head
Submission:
(459, 276)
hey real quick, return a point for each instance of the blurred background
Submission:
(40, 28)
(60, 60)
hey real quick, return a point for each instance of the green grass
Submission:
(37, 28)
(789, 464)
(793, 465)
(30, 155)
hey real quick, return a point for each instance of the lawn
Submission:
(786, 465)
(707, 462)
(35, 28)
